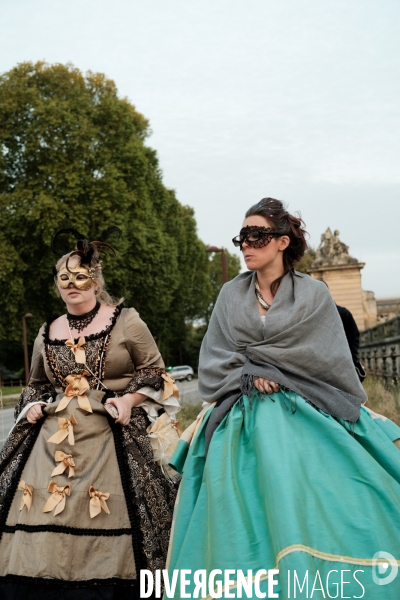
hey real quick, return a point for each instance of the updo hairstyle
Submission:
(283, 222)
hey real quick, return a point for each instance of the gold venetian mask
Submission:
(80, 277)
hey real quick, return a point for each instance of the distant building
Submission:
(387, 308)
(342, 273)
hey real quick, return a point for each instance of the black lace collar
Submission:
(88, 338)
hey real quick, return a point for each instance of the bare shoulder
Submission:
(58, 328)
(103, 319)
(107, 310)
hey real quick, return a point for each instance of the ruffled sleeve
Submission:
(39, 388)
(145, 378)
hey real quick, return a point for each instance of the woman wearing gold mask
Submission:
(83, 504)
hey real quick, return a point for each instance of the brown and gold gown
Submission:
(108, 507)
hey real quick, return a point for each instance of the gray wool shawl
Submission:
(301, 346)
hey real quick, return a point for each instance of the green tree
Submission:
(73, 154)
(304, 264)
(215, 274)
(189, 350)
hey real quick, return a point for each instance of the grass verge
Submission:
(6, 400)
(11, 390)
(384, 401)
(188, 414)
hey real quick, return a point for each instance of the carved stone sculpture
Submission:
(332, 251)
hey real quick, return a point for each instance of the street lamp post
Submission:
(224, 263)
(25, 342)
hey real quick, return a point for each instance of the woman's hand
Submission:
(34, 413)
(265, 386)
(124, 405)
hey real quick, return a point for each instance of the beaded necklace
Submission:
(261, 300)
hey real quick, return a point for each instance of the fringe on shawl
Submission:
(248, 389)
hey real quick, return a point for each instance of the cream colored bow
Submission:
(57, 499)
(163, 439)
(67, 460)
(27, 496)
(77, 349)
(77, 387)
(170, 387)
(97, 502)
(66, 428)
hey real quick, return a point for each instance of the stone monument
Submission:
(334, 265)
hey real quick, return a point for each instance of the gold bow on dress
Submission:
(77, 387)
(170, 387)
(66, 460)
(57, 499)
(27, 496)
(66, 428)
(97, 502)
(77, 349)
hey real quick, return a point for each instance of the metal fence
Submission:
(380, 351)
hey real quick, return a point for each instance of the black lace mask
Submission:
(255, 236)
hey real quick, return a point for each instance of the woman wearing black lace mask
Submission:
(288, 470)
(83, 504)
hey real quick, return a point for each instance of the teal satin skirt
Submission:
(286, 486)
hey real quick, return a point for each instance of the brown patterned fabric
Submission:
(33, 393)
(125, 357)
(154, 494)
(145, 377)
(12, 460)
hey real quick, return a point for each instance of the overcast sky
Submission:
(294, 99)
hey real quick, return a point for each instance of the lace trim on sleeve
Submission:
(150, 376)
(33, 393)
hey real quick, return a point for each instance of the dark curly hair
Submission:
(283, 222)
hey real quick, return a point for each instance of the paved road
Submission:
(188, 390)
(6, 422)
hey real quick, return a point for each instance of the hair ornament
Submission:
(59, 242)
(88, 252)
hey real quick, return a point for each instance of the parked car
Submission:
(182, 372)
